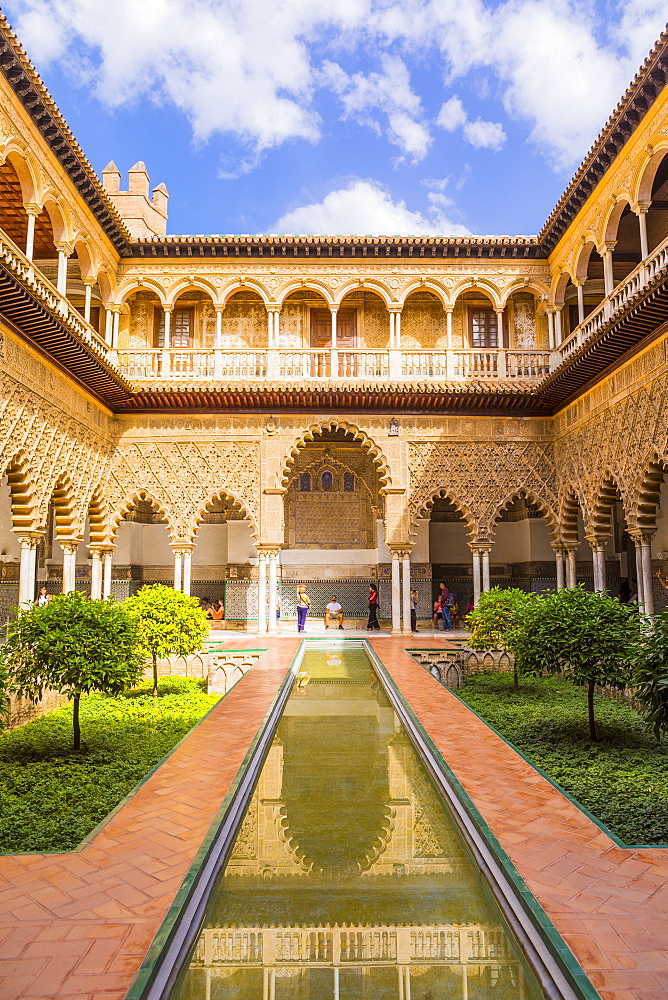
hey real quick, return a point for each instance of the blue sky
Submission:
(342, 116)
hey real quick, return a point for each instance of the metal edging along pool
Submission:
(556, 968)
(559, 973)
(178, 932)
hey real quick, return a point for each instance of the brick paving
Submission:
(609, 903)
(77, 925)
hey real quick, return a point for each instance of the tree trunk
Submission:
(516, 678)
(590, 708)
(75, 722)
(155, 676)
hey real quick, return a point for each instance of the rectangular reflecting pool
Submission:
(348, 879)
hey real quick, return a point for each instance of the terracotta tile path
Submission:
(609, 903)
(78, 925)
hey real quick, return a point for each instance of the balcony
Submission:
(179, 365)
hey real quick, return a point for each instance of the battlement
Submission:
(144, 217)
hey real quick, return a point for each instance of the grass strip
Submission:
(622, 779)
(51, 797)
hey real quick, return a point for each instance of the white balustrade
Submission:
(640, 277)
(182, 364)
(451, 944)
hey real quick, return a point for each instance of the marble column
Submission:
(571, 567)
(30, 235)
(96, 574)
(396, 595)
(273, 584)
(637, 541)
(26, 569)
(559, 560)
(642, 223)
(406, 592)
(476, 576)
(106, 572)
(186, 571)
(178, 568)
(647, 581)
(61, 279)
(485, 571)
(262, 593)
(598, 559)
(581, 306)
(69, 565)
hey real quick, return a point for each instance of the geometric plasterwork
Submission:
(183, 477)
(480, 477)
(617, 444)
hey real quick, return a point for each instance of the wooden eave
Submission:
(42, 327)
(454, 398)
(29, 88)
(315, 247)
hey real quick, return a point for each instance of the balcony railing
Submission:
(641, 276)
(326, 365)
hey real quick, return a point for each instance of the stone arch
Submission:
(604, 496)
(375, 453)
(611, 223)
(249, 285)
(531, 496)
(571, 505)
(130, 501)
(582, 258)
(334, 463)
(304, 285)
(84, 255)
(188, 284)
(24, 171)
(649, 490)
(106, 279)
(97, 518)
(57, 217)
(238, 504)
(559, 286)
(23, 493)
(67, 520)
(540, 290)
(125, 290)
(647, 173)
(425, 285)
(483, 285)
(424, 511)
(366, 285)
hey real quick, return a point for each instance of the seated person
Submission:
(334, 611)
(216, 612)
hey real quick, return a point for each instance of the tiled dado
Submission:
(78, 925)
(609, 903)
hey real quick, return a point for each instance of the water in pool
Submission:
(348, 879)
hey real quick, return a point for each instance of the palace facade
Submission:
(238, 414)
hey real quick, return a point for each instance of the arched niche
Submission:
(448, 534)
(143, 553)
(362, 321)
(244, 322)
(423, 324)
(522, 554)
(475, 322)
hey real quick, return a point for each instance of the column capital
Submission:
(597, 542)
(69, 545)
(178, 548)
(66, 248)
(480, 547)
(269, 548)
(28, 537)
(32, 209)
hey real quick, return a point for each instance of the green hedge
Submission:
(50, 797)
(622, 779)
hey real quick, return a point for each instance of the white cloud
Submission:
(452, 115)
(485, 135)
(251, 68)
(366, 207)
(390, 93)
(480, 134)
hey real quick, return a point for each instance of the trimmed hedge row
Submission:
(51, 797)
(622, 779)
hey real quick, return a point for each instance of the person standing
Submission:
(414, 607)
(373, 607)
(303, 604)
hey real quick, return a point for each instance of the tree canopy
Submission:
(168, 622)
(72, 645)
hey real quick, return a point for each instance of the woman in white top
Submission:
(303, 604)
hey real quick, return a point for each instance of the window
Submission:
(305, 482)
(181, 330)
(484, 329)
(327, 481)
(348, 482)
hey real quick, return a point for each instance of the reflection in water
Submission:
(348, 879)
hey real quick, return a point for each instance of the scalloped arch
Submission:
(23, 492)
(118, 515)
(649, 491)
(236, 503)
(444, 494)
(544, 507)
(369, 445)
